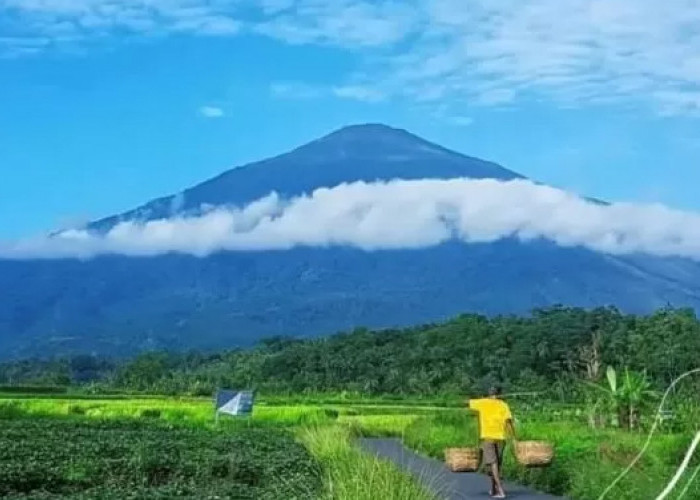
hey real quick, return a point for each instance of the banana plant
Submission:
(627, 398)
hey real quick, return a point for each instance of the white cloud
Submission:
(347, 23)
(460, 121)
(359, 93)
(575, 52)
(482, 52)
(301, 90)
(675, 102)
(373, 217)
(344, 23)
(60, 22)
(495, 52)
(295, 90)
(212, 112)
(276, 6)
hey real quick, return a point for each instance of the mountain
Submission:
(121, 305)
(356, 153)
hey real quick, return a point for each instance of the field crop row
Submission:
(44, 458)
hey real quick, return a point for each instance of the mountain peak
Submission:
(364, 129)
(372, 140)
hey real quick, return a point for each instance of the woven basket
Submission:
(534, 453)
(462, 459)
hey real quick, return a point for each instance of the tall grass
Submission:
(431, 435)
(353, 475)
(345, 398)
(377, 425)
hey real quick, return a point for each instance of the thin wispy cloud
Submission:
(373, 217)
(300, 90)
(460, 121)
(99, 17)
(574, 52)
(347, 23)
(212, 112)
(359, 93)
(484, 52)
(295, 90)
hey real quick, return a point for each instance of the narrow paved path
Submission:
(438, 478)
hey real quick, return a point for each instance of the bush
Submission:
(11, 409)
(150, 413)
(32, 389)
(76, 410)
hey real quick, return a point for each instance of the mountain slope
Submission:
(356, 153)
(121, 305)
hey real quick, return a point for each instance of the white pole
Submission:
(681, 469)
(689, 483)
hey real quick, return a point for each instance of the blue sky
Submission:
(105, 104)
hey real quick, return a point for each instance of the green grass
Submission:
(377, 425)
(353, 475)
(175, 411)
(590, 460)
(431, 435)
(355, 398)
(586, 461)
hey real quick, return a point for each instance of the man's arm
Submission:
(473, 406)
(510, 427)
(510, 423)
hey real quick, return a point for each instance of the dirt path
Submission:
(434, 474)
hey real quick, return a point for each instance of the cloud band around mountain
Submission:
(391, 215)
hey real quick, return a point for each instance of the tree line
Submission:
(544, 351)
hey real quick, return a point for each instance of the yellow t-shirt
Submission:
(493, 414)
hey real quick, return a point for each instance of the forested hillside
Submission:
(544, 351)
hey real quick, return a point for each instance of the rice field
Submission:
(198, 412)
(586, 460)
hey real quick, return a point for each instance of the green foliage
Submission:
(626, 398)
(67, 458)
(182, 412)
(10, 409)
(378, 425)
(150, 413)
(31, 389)
(546, 351)
(353, 475)
(432, 434)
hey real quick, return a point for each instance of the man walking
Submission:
(494, 420)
